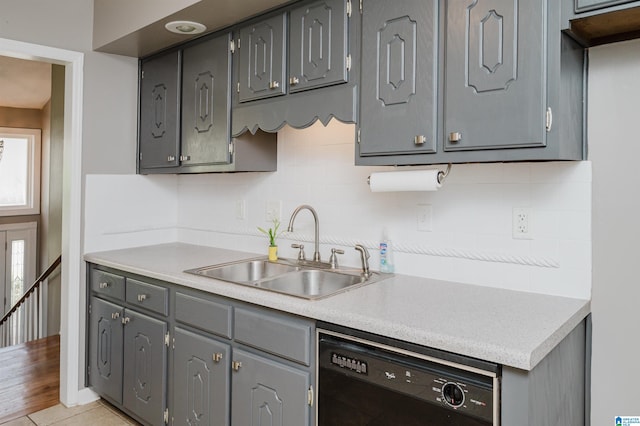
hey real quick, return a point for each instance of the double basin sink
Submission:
(289, 277)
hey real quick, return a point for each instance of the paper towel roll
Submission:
(410, 180)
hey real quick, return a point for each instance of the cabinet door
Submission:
(201, 368)
(206, 104)
(105, 349)
(399, 97)
(262, 60)
(145, 367)
(318, 45)
(265, 392)
(159, 110)
(585, 5)
(495, 75)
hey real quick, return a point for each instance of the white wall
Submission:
(614, 148)
(471, 238)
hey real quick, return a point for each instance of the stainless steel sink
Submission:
(245, 272)
(288, 277)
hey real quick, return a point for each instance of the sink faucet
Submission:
(364, 256)
(316, 254)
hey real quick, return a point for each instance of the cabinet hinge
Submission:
(238, 88)
(173, 343)
(140, 156)
(88, 370)
(358, 136)
(238, 45)
(231, 147)
(348, 62)
(549, 119)
(232, 46)
(167, 339)
(349, 9)
(142, 75)
(89, 309)
(310, 396)
(166, 416)
(361, 1)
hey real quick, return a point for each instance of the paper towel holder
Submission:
(442, 175)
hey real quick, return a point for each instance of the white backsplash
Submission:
(470, 241)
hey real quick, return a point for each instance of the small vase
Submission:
(273, 253)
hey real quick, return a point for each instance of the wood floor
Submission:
(29, 377)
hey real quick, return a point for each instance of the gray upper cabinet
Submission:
(585, 5)
(206, 103)
(262, 60)
(318, 47)
(399, 96)
(159, 141)
(495, 82)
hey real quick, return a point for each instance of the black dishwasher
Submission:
(366, 380)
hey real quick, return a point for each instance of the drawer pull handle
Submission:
(126, 320)
(115, 315)
(142, 297)
(217, 357)
(103, 285)
(236, 365)
(419, 140)
(455, 137)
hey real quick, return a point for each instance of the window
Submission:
(19, 171)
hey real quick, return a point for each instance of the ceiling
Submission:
(24, 84)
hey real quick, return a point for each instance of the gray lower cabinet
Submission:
(267, 392)
(201, 382)
(105, 348)
(166, 354)
(145, 367)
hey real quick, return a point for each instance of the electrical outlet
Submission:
(423, 217)
(273, 211)
(241, 209)
(521, 222)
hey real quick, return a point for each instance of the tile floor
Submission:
(98, 413)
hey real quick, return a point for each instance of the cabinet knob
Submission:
(293, 81)
(217, 357)
(185, 157)
(455, 137)
(142, 297)
(126, 320)
(103, 285)
(419, 140)
(115, 315)
(171, 158)
(236, 365)
(274, 85)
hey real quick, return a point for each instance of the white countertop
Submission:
(511, 328)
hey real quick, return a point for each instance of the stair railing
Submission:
(24, 321)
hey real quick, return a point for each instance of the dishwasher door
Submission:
(364, 383)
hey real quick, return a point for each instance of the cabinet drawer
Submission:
(204, 314)
(286, 337)
(148, 296)
(107, 284)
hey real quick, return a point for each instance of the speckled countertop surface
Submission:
(511, 328)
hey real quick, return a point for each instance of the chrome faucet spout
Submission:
(316, 254)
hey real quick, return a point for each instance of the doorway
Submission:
(71, 273)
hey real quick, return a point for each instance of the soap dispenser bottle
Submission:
(386, 253)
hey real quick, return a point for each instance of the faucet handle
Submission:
(301, 255)
(333, 260)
